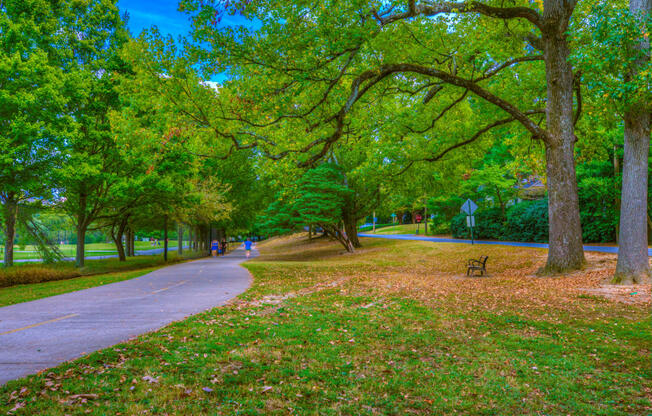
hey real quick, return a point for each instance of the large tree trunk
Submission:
(633, 263)
(565, 232)
(10, 213)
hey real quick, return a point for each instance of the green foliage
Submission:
(598, 190)
(608, 38)
(489, 224)
(317, 198)
(527, 221)
(322, 195)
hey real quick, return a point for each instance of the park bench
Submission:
(479, 264)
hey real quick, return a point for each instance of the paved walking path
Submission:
(599, 249)
(46, 332)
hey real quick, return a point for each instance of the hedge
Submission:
(528, 221)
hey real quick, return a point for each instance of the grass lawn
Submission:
(399, 229)
(393, 329)
(92, 249)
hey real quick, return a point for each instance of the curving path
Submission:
(599, 249)
(46, 332)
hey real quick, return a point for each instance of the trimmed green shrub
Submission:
(527, 221)
(489, 224)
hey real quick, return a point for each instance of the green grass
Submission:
(25, 293)
(91, 249)
(389, 330)
(400, 229)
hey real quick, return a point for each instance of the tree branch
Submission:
(475, 137)
(433, 8)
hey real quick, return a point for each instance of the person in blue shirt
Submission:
(214, 248)
(247, 245)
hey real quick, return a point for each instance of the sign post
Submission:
(469, 207)
(374, 223)
(418, 218)
(393, 218)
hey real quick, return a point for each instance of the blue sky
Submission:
(164, 14)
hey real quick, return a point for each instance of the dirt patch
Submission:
(629, 294)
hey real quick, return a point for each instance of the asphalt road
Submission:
(46, 332)
(599, 249)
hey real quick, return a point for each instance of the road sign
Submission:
(418, 217)
(470, 221)
(469, 207)
(393, 215)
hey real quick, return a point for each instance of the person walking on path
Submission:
(214, 248)
(223, 247)
(247, 245)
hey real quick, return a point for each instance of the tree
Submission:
(319, 71)
(32, 122)
(619, 69)
(93, 163)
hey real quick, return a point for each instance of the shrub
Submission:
(527, 221)
(489, 224)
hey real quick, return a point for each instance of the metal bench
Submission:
(479, 265)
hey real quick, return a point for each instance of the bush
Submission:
(489, 224)
(527, 221)
(26, 274)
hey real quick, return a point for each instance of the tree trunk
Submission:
(117, 240)
(617, 191)
(165, 238)
(117, 232)
(82, 225)
(180, 240)
(633, 263)
(10, 214)
(565, 232)
(500, 201)
(81, 244)
(336, 233)
(351, 230)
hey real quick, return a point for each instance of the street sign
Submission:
(393, 215)
(418, 217)
(470, 221)
(469, 207)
